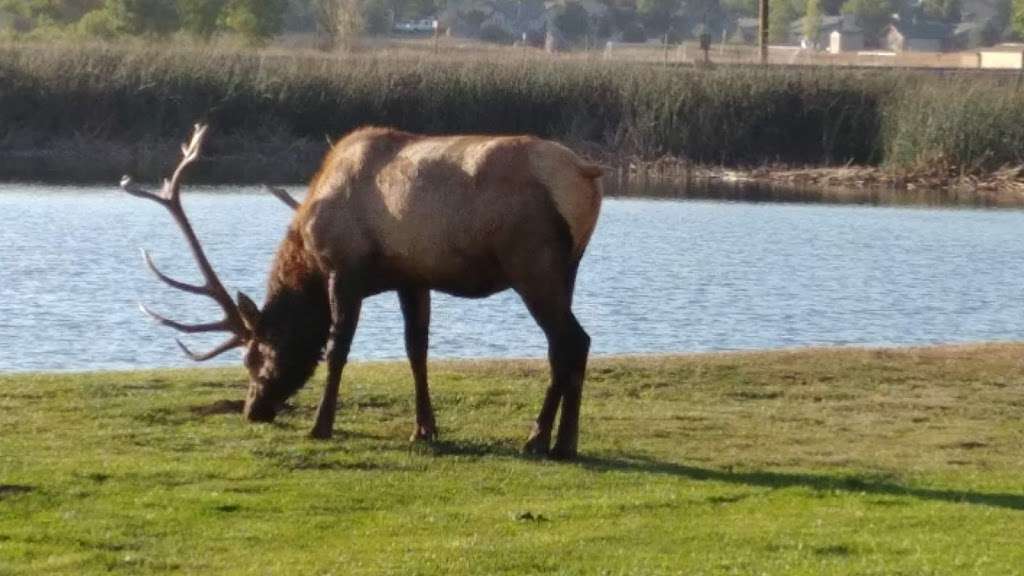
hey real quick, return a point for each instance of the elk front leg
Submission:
(345, 307)
(416, 311)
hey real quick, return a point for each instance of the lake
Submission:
(661, 275)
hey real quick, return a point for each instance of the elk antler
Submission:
(170, 198)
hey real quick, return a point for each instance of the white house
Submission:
(1002, 56)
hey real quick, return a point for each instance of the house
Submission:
(845, 41)
(850, 34)
(917, 35)
(416, 26)
(1002, 56)
(745, 31)
(497, 18)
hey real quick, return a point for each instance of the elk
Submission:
(394, 211)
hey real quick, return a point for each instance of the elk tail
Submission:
(590, 171)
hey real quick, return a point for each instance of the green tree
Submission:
(375, 17)
(130, 17)
(339, 22)
(812, 21)
(572, 20)
(153, 16)
(872, 15)
(741, 7)
(199, 17)
(255, 20)
(1018, 17)
(948, 10)
(107, 22)
(657, 14)
(781, 14)
(49, 12)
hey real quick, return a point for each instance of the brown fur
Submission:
(434, 205)
(467, 215)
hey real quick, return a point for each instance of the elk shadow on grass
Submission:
(14, 490)
(818, 482)
(472, 448)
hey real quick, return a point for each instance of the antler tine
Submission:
(233, 342)
(189, 153)
(131, 187)
(192, 288)
(283, 196)
(220, 326)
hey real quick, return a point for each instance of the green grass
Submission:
(805, 462)
(93, 112)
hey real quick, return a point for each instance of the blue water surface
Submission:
(660, 276)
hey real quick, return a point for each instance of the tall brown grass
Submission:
(108, 109)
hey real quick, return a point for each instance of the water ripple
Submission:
(660, 276)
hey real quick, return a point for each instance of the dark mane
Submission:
(296, 315)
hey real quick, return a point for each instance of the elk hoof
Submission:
(423, 434)
(563, 453)
(537, 445)
(319, 433)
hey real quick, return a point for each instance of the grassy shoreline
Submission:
(94, 112)
(828, 461)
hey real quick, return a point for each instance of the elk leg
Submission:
(416, 311)
(574, 347)
(345, 307)
(568, 346)
(539, 442)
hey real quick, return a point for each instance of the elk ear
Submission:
(249, 311)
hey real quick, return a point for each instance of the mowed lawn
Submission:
(798, 462)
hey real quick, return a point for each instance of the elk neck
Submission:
(296, 315)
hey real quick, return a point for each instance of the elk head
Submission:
(283, 342)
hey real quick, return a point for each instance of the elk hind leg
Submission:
(550, 304)
(416, 312)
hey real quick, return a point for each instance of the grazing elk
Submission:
(389, 210)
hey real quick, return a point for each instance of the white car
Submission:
(424, 25)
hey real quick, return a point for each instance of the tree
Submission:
(158, 17)
(572, 20)
(812, 22)
(1018, 17)
(254, 20)
(339, 22)
(948, 10)
(985, 35)
(107, 22)
(656, 14)
(781, 15)
(741, 7)
(376, 17)
(55, 13)
(129, 17)
(872, 15)
(199, 17)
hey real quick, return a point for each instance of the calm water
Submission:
(660, 276)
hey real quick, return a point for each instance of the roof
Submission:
(845, 23)
(748, 22)
(921, 29)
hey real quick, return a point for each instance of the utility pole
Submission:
(762, 32)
